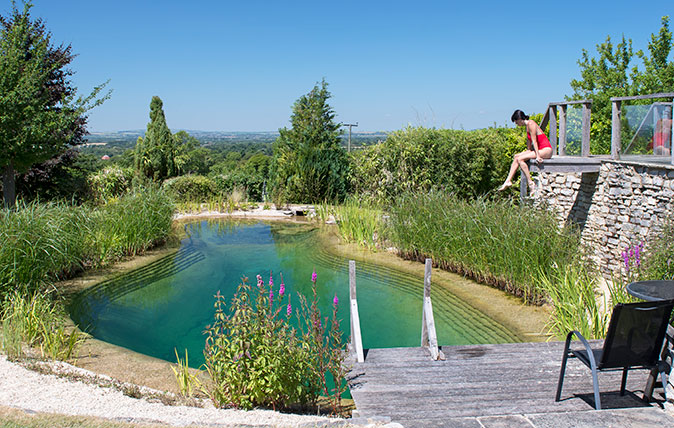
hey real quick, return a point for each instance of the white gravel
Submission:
(32, 391)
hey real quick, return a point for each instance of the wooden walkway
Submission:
(406, 385)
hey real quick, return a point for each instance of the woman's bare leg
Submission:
(523, 159)
(513, 168)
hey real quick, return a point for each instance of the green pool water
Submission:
(168, 303)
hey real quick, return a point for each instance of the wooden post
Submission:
(562, 130)
(585, 142)
(356, 338)
(428, 335)
(552, 111)
(615, 130)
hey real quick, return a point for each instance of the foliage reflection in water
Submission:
(168, 303)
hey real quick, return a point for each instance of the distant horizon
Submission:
(141, 130)
(242, 65)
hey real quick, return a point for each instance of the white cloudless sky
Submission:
(239, 66)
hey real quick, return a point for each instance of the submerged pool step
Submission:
(128, 282)
(448, 307)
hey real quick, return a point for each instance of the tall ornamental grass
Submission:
(42, 243)
(494, 242)
(357, 222)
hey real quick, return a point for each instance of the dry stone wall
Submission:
(617, 207)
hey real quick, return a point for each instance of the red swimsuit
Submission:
(542, 139)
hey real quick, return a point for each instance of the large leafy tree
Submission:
(39, 114)
(611, 73)
(155, 154)
(308, 163)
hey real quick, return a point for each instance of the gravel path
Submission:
(29, 390)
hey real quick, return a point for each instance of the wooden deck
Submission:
(568, 164)
(480, 380)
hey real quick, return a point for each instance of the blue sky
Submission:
(240, 65)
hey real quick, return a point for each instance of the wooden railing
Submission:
(559, 147)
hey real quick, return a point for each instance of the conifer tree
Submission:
(155, 155)
(308, 163)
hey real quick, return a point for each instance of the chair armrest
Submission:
(586, 344)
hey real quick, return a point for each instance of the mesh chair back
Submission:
(635, 334)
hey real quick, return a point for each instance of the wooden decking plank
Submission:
(474, 380)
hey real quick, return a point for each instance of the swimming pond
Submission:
(167, 304)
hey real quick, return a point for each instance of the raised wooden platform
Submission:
(480, 380)
(568, 164)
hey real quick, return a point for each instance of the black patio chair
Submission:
(634, 340)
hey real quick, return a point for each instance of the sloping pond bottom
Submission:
(167, 304)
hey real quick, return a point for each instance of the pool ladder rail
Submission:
(429, 338)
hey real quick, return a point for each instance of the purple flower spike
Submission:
(282, 288)
(289, 311)
(271, 280)
(335, 301)
(271, 296)
(314, 277)
(260, 283)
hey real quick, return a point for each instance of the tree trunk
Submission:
(9, 186)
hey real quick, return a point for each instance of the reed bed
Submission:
(494, 242)
(357, 222)
(44, 242)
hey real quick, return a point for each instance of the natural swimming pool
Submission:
(168, 303)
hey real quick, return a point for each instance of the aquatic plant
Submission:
(256, 358)
(357, 222)
(186, 381)
(36, 322)
(44, 242)
(493, 242)
(572, 290)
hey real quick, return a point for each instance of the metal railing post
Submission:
(428, 335)
(356, 338)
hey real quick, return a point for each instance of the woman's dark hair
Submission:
(519, 115)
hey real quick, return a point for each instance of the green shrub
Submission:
(255, 358)
(466, 163)
(191, 188)
(111, 182)
(494, 242)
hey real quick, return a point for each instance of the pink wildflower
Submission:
(335, 301)
(271, 280)
(289, 310)
(314, 277)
